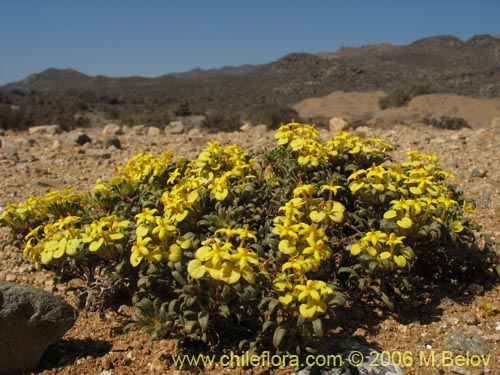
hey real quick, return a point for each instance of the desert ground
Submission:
(37, 163)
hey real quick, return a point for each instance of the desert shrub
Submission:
(402, 95)
(259, 253)
(272, 115)
(221, 121)
(446, 122)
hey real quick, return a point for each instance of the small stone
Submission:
(337, 124)
(478, 173)
(112, 129)
(138, 129)
(112, 141)
(476, 345)
(475, 289)
(360, 332)
(175, 127)
(81, 361)
(2, 133)
(120, 347)
(246, 127)
(459, 344)
(470, 318)
(45, 129)
(153, 131)
(107, 364)
(80, 138)
(455, 343)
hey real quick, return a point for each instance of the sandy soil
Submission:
(37, 164)
(355, 106)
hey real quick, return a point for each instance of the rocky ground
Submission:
(37, 163)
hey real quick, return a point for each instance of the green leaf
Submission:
(267, 324)
(272, 305)
(203, 319)
(189, 326)
(279, 335)
(317, 325)
(179, 278)
(387, 301)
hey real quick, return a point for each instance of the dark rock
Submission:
(30, 320)
(350, 358)
(112, 141)
(80, 138)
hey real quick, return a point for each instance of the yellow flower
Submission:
(405, 222)
(140, 250)
(146, 215)
(311, 292)
(287, 247)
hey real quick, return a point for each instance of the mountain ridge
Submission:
(470, 67)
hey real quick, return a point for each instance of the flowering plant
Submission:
(259, 249)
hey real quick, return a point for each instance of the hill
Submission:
(444, 63)
(451, 65)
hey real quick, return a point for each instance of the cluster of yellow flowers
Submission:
(421, 185)
(305, 245)
(226, 256)
(52, 241)
(217, 170)
(303, 139)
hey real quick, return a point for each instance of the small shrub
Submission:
(272, 115)
(445, 122)
(402, 95)
(220, 121)
(259, 253)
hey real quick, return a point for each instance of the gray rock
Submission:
(351, 358)
(45, 129)
(459, 344)
(30, 320)
(2, 132)
(478, 172)
(112, 141)
(80, 138)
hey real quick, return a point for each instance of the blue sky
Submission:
(152, 37)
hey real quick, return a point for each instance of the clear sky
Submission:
(152, 37)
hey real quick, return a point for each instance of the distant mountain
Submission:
(446, 63)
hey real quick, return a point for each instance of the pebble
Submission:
(478, 173)
(112, 141)
(470, 318)
(107, 364)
